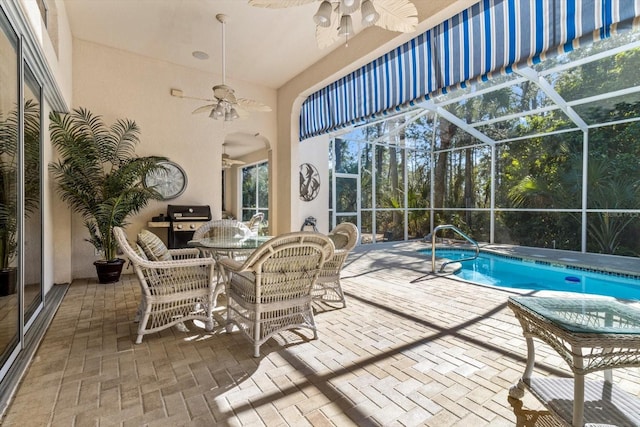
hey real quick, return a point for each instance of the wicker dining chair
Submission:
(221, 228)
(271, 291)
(172, 291)
(254, 223)
(328, 288)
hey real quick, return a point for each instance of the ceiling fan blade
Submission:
(231, 98)
(204, 108)
(397, 15)
(278, 4)
(252, 105)
(227, 162)
(243, 113)
(225, 93)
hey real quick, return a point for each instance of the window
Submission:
(255, 191)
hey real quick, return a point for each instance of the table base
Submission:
(604, 403)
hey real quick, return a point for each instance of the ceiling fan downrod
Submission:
(224, 109)
(222, 18)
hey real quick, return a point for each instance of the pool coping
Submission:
(611, 265)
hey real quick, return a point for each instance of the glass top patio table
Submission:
(229, 243)
(585, 316)
(590, 335)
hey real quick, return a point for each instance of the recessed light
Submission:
(200, 55)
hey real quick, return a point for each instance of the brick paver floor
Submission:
(410, 349)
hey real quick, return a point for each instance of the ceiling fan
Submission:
(225, 104)
(333, 18)
(227, 161)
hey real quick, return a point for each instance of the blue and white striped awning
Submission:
(491, 37)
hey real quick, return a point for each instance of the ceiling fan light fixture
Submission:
(347, 7)
(224, 105)
(323, 15)
(392, 15)
(346, 26)
(369, 13)
(218, 112)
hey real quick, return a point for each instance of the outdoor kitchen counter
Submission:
(158, 224)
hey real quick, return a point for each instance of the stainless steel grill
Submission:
(185, 219)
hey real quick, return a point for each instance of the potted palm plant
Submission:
(100, 177)
(9, 184)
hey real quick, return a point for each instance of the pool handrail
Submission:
(433, 246)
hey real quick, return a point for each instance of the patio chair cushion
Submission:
(140, 252)
(153, 247)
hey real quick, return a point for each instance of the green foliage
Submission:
(98, 174)
(255, 190)
(539, 170)
(9, 126)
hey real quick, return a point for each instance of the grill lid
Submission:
(189, 212)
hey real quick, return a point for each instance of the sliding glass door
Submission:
(32, 194)
(9, 202)
(21, 232)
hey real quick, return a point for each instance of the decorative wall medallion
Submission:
(309, 182)
(170, 182)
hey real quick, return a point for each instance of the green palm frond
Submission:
(98, 174)
(125, 134)
(9, 138)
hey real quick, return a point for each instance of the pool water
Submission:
(496, 270)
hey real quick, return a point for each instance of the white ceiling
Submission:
(263, 46)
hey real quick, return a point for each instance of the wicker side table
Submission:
(590, 335)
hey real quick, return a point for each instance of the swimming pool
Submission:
(496, 270)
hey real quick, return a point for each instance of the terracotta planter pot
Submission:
(109, 271)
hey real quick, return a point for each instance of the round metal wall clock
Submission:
(170, 181)
(309, 182)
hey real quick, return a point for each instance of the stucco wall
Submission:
(117, 84)
(316, 152)
(57, 218)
